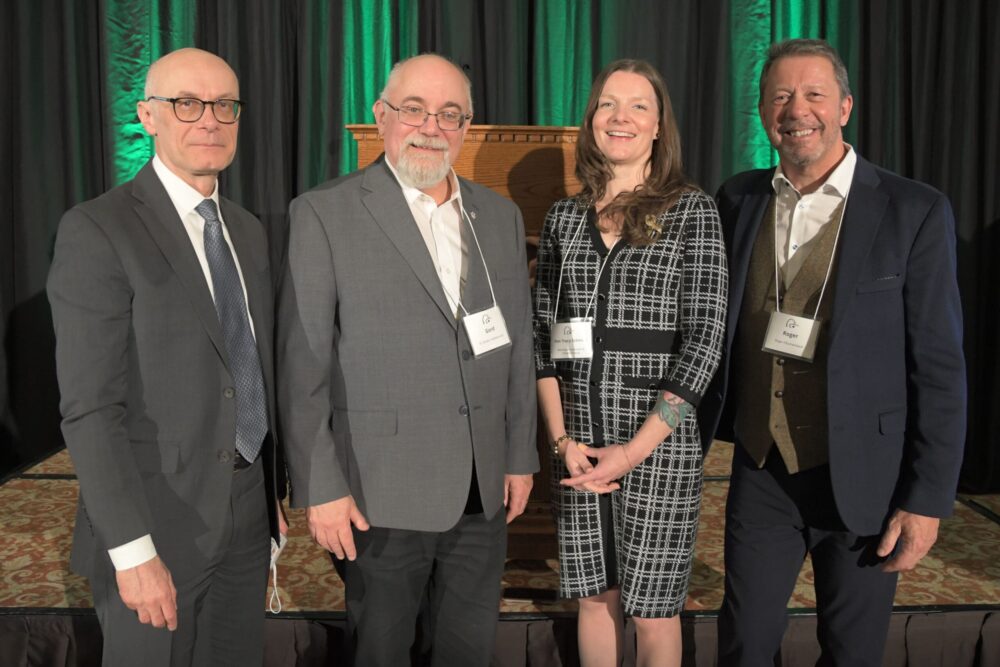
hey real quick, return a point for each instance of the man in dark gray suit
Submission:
(162, 304)
(405, 404)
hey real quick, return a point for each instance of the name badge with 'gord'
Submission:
(571, 339)
(487, 330)
(792, 336)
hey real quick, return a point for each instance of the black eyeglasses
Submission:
(191, 109)
(416, 116)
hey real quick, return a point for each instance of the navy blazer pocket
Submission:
(892, 422)
(156, 456)
(887, 282)
(364, 422)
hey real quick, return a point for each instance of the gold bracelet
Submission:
(627, 459)
(558, 441)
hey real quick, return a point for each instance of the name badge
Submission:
(487, 330)
(571, 339)
(792, 336)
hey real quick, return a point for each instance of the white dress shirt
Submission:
(184, 198)
(441, 228)
(800, 218)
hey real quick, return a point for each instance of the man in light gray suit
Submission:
(404, 405)
(162, 303)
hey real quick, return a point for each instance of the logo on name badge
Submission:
(486, 319)
(567, 330)
(791, 324)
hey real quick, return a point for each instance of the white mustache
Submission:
(421, 141)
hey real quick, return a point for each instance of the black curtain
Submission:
(7, 456)
(491, 41)
(927, 99)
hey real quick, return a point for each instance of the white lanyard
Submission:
(597, 280)
(573, 338)
(829, 266)
(485, 329)
(482, 258)
(795, 336)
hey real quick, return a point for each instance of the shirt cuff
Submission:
(133, 553)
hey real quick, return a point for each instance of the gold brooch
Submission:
(653, 227)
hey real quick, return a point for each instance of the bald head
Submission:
(180, 62)
(427, 63)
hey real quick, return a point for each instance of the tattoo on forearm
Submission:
(671, 409)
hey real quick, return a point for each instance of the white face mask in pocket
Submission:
(274, 604)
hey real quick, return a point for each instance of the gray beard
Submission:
(421, 175)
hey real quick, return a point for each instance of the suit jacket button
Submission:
(464, 410)
(781, 361)
(225, 457)
(228, 392)
(779, 394)
(465, 355)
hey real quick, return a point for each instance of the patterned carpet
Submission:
(37, 509)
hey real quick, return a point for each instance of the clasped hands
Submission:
(613, 462)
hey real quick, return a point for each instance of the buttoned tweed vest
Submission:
(783, 401)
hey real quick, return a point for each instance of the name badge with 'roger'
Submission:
(571, 339)
(791, 336)
(487, 330)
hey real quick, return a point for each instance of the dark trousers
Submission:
(220, 610)
(772, 520)
(453, 577)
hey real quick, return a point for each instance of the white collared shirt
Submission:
(184, 198)
(441, 228)
(801, 217)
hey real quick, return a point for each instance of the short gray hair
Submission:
(805, 47)
(394, 73)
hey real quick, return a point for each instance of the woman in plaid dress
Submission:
(635, 266)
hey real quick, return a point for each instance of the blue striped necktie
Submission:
(244, 362)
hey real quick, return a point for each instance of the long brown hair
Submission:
(665, 182)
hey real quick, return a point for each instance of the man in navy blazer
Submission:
(852, 456)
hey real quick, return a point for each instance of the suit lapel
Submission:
(862, 217)
(388, 207)
(751, 216)
(476, 296)
(157, 212)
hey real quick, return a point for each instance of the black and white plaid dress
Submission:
(658, 324)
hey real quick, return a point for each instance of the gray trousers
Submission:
(220, 609)
(453, 578)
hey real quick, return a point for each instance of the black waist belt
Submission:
(637, 340)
